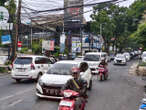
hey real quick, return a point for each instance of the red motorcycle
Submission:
(68, 101)
(103, 73)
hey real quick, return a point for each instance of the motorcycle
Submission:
(68, 101)
(103, 73)
(143, 105)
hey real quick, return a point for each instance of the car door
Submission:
(46, 63)
(39, 64)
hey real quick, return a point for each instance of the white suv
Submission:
(94, 58)
(50, 84)
(29, 67)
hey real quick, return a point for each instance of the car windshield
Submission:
(61, 68)
(23, 60)
(120, 56)
(91, 58)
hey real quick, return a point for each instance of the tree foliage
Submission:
(118, 23)
(2, 2)
(113, 21)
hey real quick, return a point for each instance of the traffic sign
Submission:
(19, 44)
(4, 15)
(6, 39)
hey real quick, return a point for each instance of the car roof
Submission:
(69, 62)
(34, 56)
(95, 53)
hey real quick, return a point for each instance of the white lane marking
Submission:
(14, 103)
(7, 97)
(18, 93)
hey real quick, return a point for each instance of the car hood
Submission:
(51, 79)
(119, 59)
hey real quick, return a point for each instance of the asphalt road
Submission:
(120, 92)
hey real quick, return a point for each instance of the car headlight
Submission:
(141, 109)
(41, 82)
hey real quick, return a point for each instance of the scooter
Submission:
(143, 105)
(68, 101)
(103, 73)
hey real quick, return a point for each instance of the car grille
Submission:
(52, 91)
(119, 61)
(93, 69)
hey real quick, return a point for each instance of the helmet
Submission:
(75, 70)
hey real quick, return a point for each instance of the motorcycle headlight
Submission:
(67, 94)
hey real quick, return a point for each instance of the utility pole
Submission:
(31, 35)
(100, 30)
(18, 21)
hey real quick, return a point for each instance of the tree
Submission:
(140, 35)
(112, 19)
(2, 2)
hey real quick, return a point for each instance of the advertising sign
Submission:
(76, 45)
(4, 15)
(75, 18)
(62, 43)
(6, 39)
(48, 45)
(51, 45)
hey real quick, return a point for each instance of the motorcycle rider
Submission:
(104, 64)
(77, 84)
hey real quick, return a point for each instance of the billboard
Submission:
(48, 45)
(76, 45)
(73, 15)
(6, 39)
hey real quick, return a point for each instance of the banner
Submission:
(51, 45)
(76, 45)
(6, 39)
(62, 43)
(48, 45)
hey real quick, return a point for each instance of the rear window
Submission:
(91, 58)
(23, 60)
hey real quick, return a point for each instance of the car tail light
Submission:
(32, 66)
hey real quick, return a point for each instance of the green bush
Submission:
(3, 70)
(24, 50)
(36, 48)
(142, 64)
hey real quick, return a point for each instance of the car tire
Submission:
(18, 80)
(90, 85)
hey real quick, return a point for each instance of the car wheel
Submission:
(18, 80)
(90, 85)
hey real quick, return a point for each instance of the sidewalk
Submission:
(137, 79)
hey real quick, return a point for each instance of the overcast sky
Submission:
(51, 4)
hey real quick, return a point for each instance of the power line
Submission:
(75, 6)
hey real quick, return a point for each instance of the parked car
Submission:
(127, 55)
(50, 84)
(120, 59)
(29, 67)
(94, 58)
(111, 57)
(143, 57)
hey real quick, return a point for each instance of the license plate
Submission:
(65, 103)
(21, 70)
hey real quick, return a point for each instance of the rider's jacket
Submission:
(78, 85)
